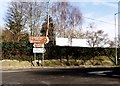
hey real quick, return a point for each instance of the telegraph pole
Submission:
(47, 30)
(116, 45)
(47, 18)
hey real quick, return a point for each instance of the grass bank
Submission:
(96, 61)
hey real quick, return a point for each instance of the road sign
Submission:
(47, 40)
(38, 45)
(42, 39)
(39, 50)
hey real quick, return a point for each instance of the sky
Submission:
(99, 12)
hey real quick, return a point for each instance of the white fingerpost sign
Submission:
(39, 50)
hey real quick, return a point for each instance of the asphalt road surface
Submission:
(62, 77)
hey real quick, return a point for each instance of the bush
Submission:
(23, 52)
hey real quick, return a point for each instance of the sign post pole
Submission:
(39, 46)
(42, 59)
(34, 59)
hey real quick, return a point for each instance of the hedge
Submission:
(23, 51)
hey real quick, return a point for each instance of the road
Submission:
(62, 76)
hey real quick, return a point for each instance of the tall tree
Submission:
(35, 12)
(66, 17)
(60, 11)
(23, 16)
(15, 20)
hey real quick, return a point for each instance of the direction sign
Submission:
(39, 50)
(47, 39)
(42, 39)
(38, 45)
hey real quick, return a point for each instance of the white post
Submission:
(48, 19)
(116, 40)
(43, 59)
(35, 59)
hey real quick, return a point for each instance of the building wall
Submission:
(75, 42)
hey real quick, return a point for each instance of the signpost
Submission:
(39, 50)
(42, 39)
(39, 45)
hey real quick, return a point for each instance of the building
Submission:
(74, 43)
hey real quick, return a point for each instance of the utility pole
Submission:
(47, 30)
(116, 45)
(47, 18)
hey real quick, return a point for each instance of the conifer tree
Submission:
(51, 33)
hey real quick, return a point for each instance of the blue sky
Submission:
(99, 12)
(3, 8)
(93, 11)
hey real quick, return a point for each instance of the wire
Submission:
(100, 21)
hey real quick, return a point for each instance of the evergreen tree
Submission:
(51, 34)
(15, 19)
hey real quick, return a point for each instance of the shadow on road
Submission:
(113, 72)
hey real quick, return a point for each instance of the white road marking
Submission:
(99, 72)
(47, 83)
(102, 73)
(116, 75)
